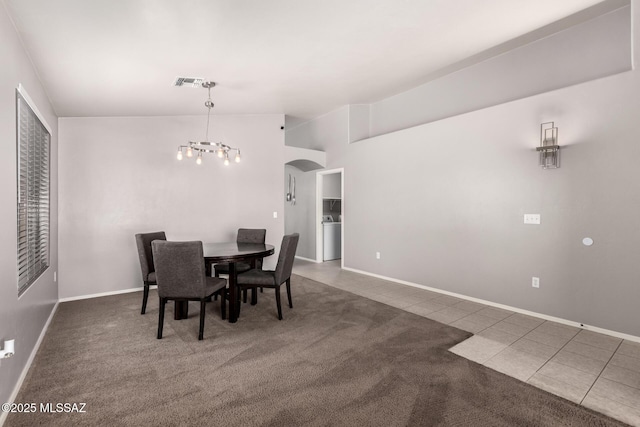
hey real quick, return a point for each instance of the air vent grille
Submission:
(188, 81)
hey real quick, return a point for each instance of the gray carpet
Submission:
(335, 359)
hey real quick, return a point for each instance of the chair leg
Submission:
(161, 317)
(289, 292)
(223, 302)
(278, 302)
(237, 302)
(145, 296)
(244, 296)
(254, 296)
(216, 274)
(203, 304)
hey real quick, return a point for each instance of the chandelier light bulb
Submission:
(220, 152)
(180, 154)
(226, 159)
(199, 159)
(238, 156)
(189, 152)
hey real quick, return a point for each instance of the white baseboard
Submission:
(502, 306)
(307, 259)
(104, 294)
(27, 366)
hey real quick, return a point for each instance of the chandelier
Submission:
(222, 150)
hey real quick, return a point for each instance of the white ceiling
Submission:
(302, 58)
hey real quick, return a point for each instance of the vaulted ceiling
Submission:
(301, 58)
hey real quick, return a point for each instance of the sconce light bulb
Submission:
(189, 152)
(220, 152)
(238, 156)
(180, 154)
(199, 159)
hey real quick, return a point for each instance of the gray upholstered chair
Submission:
(255, 278)
(180, 274)
(143, 241)
(245, 235)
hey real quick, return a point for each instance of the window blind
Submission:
(33, 144)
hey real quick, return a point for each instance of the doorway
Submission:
(330, 216)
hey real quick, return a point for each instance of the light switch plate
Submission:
(532, 219)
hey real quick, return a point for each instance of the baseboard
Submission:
(32, 356)
(502, 306)
(105, 294)
(315, 261)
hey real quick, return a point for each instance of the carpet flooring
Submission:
(336, 359)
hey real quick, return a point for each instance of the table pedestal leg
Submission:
(233, 293)
(181, 310)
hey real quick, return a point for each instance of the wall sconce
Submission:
(549, 148)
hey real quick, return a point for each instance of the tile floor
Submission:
(595, 370)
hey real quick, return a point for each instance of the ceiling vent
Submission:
(188, 81)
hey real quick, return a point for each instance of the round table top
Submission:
(232, 251)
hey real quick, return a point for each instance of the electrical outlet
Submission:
(377, 255)
(275, 214)
(535, 282)
(532, 219)
(55, 276)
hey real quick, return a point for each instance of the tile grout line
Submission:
(602, 370)
(552, 356)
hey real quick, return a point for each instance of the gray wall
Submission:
(329, 133)
(21, 318)
(444, 202)
(458, 202)
(299, 218)
(120, 176)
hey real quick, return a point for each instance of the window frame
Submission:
(33, 192)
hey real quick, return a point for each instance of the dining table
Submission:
(230, 253)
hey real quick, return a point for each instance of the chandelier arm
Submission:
(194, 145)
(204, 150)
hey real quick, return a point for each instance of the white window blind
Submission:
(33, 194)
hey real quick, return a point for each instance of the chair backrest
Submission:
(251, 235)
(285, 259)
(143, 241)
(180, 271)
